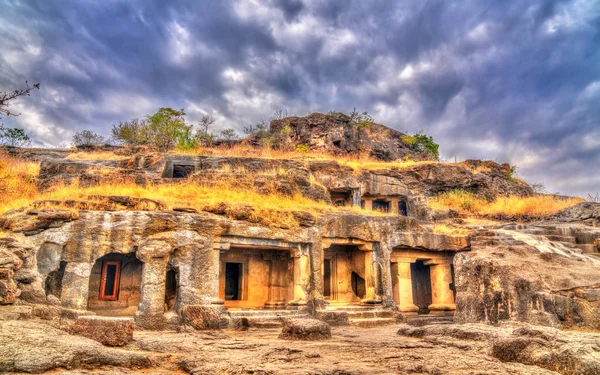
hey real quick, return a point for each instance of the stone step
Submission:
(372, 322)
(351, 308)
(565, 239)
(423, 320)
(265, 312)
(362, 313)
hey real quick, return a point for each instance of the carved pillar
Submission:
(213, 274)
(301, 275)
(75, 285)
(273, 285)
(152, 300)
(405, 287)
(372, 278)
(442, 297)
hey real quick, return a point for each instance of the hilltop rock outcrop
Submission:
(336, 133)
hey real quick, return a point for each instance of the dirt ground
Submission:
(35, 347)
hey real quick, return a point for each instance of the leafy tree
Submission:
(167, 128)
(14, 137)
(6, 97)
(87, 138)
(131, 133)
(259, 128)
(424, 142)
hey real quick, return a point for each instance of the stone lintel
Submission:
(361, 244)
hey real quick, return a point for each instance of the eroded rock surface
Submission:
(305, 329)
(105, 330)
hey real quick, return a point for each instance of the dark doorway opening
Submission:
(402, 208)
(171, 289)
(182, 171)
(109, 281)
(358, 286)
(53, 284)
(381, 205)
(327, 278)
(233, 281)
(421, 285)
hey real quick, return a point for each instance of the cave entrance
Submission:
(344, 274)
(233, 281)
(421, 286)
(256, 277)
(182, 171)
(115, 285)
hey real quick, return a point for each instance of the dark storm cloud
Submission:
(512, 81)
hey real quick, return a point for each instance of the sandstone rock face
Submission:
(336, 133)
(305, 329)
(105, 330)
(525, 273)
(205, 317)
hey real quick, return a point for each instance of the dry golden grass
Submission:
(17, 181)
(18, 189)
(467, 203)
(270, 208)
(358, 162)
(95, 155)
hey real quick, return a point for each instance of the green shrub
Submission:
(425, 143)
(302, 148)
(408, 140)
(14, 137)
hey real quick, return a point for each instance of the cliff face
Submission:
(544, 273)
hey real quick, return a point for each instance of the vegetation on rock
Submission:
(468, 203)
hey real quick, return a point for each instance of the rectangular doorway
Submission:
(233, 281)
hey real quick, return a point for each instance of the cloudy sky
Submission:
(512, 81)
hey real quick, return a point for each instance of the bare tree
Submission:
(204, 136)
(278, 115)
(6, 97)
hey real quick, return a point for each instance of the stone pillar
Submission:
(75, 285)
(214, 277)
(301, 278)
(442, 297)
(152, 300)
(372, 279)
(273, 285)
(405, 288)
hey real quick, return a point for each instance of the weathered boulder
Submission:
(202, 317)
(34, 347)
(568, 353)
(105, 330)
(305, 329)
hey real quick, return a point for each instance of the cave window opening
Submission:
(402, 207)
(381, 205)
(171, 286)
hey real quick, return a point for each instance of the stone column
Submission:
(372, 279)
(405, 288)
(273, 285)
(301, 276)
(442, 297)
(213, 274)
(75, 285)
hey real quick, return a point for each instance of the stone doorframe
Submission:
(299, 252)
(442, 296)
(373, 283)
